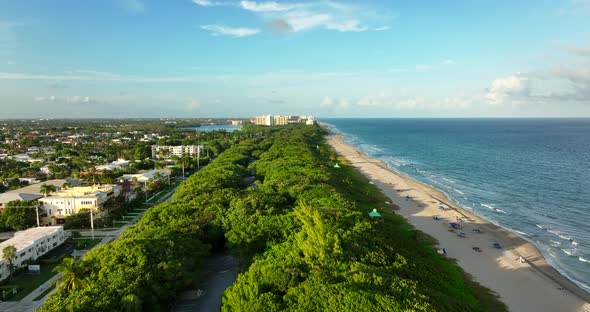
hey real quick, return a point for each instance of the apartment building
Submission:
(30, 244)
(277, 120)
(61, 204)
(166, 151)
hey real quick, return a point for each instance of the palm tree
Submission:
(46, 189)
(8, 254)
(72, 275)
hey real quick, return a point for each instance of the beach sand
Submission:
(531, 285)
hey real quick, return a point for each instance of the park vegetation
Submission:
(300, 228)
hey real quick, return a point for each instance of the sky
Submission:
(340, 58)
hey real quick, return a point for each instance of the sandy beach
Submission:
(527, 284)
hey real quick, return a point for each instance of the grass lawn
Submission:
(88, 242)
(27, 282)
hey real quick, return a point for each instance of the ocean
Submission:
(530, 176)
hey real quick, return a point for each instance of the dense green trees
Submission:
(19, 215)
(334, 258)
(299, 226)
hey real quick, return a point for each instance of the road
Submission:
(220, 272)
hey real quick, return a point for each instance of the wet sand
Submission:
(527, 284)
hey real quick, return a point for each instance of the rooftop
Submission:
(8, 197)
(36, 188)
(24, 239)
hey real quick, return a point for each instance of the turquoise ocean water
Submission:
(530, 176)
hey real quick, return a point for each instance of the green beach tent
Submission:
(374, 214)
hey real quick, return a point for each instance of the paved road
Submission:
(220, 272)
(28, 305)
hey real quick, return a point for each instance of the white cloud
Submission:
(301, 16)
(207, 3)
(580, 51)
(299, 21)
(230, 31)
(349, 25)
(344, 104)
(327, 101)
(83, 75)
(134, 6)
(193, 105)
(335, 104)
(72, 99)
(508, 88)
(263, 6)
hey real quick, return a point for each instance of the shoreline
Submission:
(532, 285)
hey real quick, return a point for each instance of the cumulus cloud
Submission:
(217, 30)
(513, 87)
(335, 104)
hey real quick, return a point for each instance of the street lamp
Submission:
(92, 221)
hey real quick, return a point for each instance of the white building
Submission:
(28, 180)
(266, 120)
(30, 244)
(115, 165)
(145, 176)
(278, 120)
(167, 150)
(66, 202)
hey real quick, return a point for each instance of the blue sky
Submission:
(208, 58)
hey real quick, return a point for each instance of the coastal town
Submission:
(294, 155)
(65, 183)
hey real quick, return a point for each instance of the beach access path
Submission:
(524, 285)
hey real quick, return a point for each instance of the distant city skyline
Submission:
(206, 58)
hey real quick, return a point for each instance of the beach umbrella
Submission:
(374, 214)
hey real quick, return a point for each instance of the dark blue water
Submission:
(531, 176)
